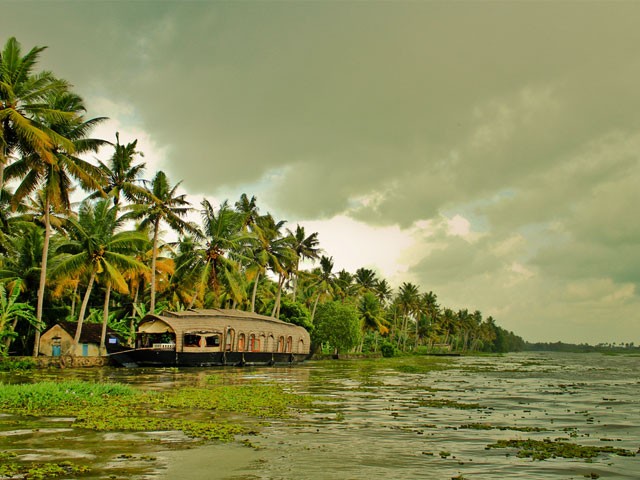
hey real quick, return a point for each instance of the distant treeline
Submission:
(582, 347)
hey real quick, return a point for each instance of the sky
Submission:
(486, 151)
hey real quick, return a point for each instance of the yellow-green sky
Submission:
(488, 151)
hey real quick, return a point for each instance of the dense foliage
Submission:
(107, 261)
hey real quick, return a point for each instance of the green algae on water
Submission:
(199, 412)
(547, 448)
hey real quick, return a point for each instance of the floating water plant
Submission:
(545, 449)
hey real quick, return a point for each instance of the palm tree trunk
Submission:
(43, 276)
(73, 299)
(295, 280)
(83, 309)
(276, 305)
(154, 254)
(315, 304)
(105, 318)
(253, 295)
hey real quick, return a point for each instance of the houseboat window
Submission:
(281, 344)
(262, 342)
(229, 340)
(213, 341)
(241, 342)
(254, 344)
(191, 340)
(301, 346)
(289, 344)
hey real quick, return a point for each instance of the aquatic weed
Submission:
(547, 448)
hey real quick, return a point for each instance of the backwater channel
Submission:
(409, 418)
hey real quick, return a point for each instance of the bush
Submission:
(8, 365)
(388, 349)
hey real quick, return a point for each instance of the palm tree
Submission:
(120, 176)
(277, 252)
(383, 291)
(97, 251)
(248, 210)
(306, 247)
(324, 281)
(55, 172)
(161, 204)
(372, 316)
(408, 300)
(365, 279)
(222, 234)
(25, 112)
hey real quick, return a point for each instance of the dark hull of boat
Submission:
(169, 358)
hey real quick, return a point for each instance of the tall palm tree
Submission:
(222, 232)
(25, 112)
(121, 176)
(408, 300)
(96, 249)
(161, 204)
(54, 173)
(383, 291)
(324, 281)
(372, 316)
(247, 208)
(365, 279)
(306, 248)
(277, 252)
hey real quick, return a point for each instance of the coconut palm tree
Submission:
(54, 173)
(306, 248)
(372, 316)
(324, 282)
(222, 233)
(121, 176)
(161, 204)
(277, 252)
(25, 111)
(408, 300)
(383, 292)
(97, 250)
(247, 208)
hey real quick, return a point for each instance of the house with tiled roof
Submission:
(58, 340)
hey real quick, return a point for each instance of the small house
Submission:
(58, 340)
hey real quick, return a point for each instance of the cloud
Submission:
(490, 153)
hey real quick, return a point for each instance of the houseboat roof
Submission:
(204, 319)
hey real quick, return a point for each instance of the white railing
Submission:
(164, 346)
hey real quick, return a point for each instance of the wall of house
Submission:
(47, 343)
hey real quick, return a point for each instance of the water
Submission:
(382, 419)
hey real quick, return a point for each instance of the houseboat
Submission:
(204, 338)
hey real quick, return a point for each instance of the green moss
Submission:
(40, 471)
(487, 426)
(116, 407)
(544, 449)
(444, 403)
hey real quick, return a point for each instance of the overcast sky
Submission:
(487, 151)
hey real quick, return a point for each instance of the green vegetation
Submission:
(117, 407)
(605, 348)
(9, 468)
(214, 411)
(545, 449)
(86, 264)
(7, 364)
